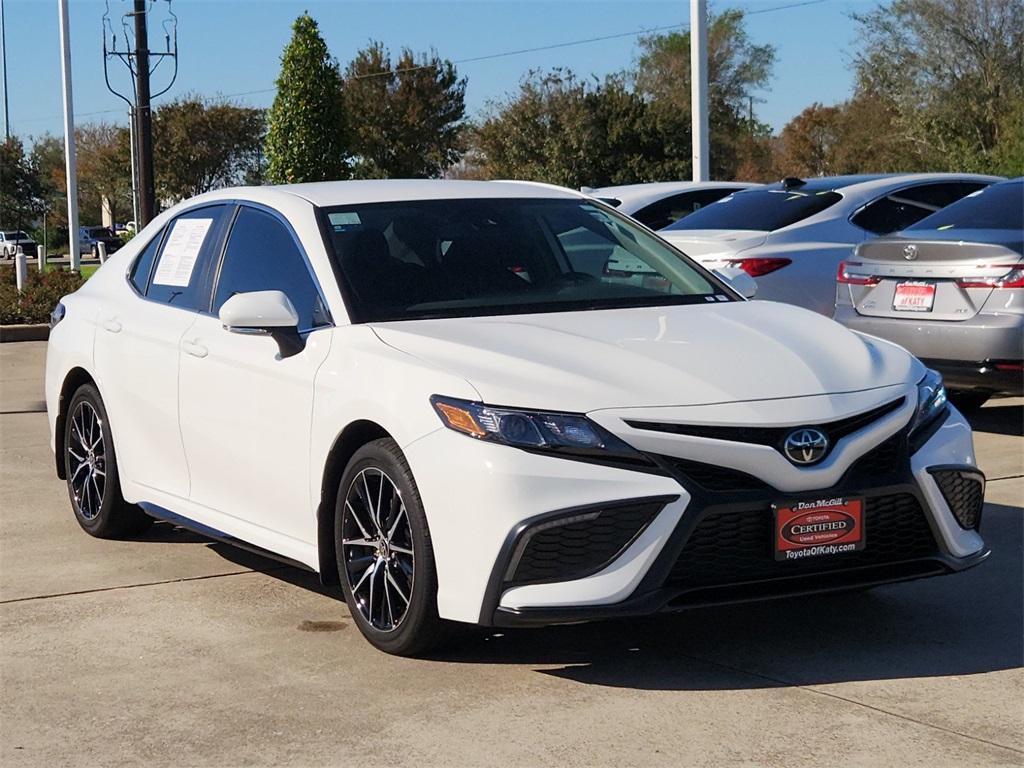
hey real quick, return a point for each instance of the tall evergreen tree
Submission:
(306, 137)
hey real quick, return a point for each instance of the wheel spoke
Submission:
(398, 589)
(387, 600)
(363, 578)
(394, 525)
(352, 511)
(80, 467)
(359, 543)
(400, 550)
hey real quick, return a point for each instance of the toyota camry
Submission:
(494, 403)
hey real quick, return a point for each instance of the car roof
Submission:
(633, 197)
(331, 193)
(878, 182)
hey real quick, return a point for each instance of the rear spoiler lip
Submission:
(883, 251)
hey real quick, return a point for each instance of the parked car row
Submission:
(931, 261)
(89, 239)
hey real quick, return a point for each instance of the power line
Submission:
(492, 56)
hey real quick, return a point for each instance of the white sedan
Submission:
(791, 236)
(416, 390)
(658, 204)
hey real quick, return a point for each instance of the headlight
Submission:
(565, 433)
(931, 401)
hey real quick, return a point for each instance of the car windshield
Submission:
(99, 232)
(15, 236)
(458, 258)
(1000, 206)
(758, 209)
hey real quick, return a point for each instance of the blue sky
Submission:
(234, 46)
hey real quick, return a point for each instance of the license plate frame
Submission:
(817, 528)
(914, 296)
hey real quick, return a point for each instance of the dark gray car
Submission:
(951, 290)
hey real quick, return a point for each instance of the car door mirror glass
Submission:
(739, 280)
(264, 312)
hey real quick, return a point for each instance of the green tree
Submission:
(951, 74)
(564, 130)
(306, 136)
(103, 153)
(409, 113)
(736, 68)
(202, 145)
(20, 187)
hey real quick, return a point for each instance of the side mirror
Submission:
(267, 313)
(740, 281)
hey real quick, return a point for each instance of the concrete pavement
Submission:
(173, 650)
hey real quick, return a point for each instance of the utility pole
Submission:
(70, 162)
(699, 88)
(143, 118)
(3, 50)
(131, 47)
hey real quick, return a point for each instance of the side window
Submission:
(139, 275)
(670, 210)
(181, 276)
(262, 256)
(939, 195)
(890, 214)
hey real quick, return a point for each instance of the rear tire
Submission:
(93, 483)
(969, 400)
(385, 557)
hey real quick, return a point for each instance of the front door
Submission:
(246, 412)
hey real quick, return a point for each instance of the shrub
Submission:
(41, 294)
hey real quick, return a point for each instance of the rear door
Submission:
(137, 348)
(246, 413)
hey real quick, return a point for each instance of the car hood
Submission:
(658, 356)
(711, 244)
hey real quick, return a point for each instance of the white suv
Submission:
(441, 395)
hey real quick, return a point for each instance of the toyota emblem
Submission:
(805, 445)
(910, 252)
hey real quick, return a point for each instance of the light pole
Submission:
(70, 162)
(3, 51)
(699, 88)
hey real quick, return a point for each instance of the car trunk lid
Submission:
(918, 279)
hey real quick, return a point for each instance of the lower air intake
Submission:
(964, 492)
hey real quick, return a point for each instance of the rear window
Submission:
(1000, 206)
(758, 209)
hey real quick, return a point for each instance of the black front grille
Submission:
(712, 477)
(964, 492)
(578, 545)
(734, 546)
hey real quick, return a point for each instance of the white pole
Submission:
(135, 178)
(70, 163)
(20, 269)
(101, 250)
(41, 257)
(699, 87)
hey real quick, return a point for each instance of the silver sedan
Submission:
(951, 290)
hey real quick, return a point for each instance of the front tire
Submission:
(91, 468)
(385, 557)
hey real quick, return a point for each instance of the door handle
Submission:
(195, 349)
(112, 324)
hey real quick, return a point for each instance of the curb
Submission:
(40, 332)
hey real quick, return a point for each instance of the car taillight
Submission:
(757, 267)
(843, 275)
(1012, 279)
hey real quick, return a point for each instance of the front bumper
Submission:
(996, 376)
(702, 545)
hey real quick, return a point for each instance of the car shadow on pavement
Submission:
(999, 420)
(960, 624)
